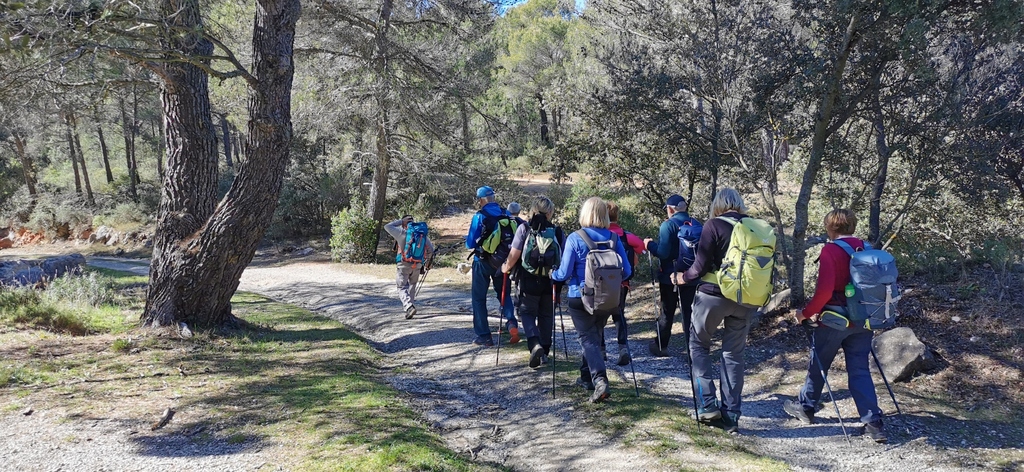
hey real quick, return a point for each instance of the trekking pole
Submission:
(689, 360)
(501, 315)
(657, 300)
(629, 352)
(878, 364)
(553, 350)
(810, 339)
(419, 283)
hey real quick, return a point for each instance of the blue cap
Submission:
(674, 201)
(484, 191)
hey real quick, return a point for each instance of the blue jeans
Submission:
(856, 344)
(483, 276)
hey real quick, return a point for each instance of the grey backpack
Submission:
(603, 282)
(875, 291)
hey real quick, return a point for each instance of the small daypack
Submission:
(411, 250)
(630, 252)
(875, 291)
(746, 273)
(602, 283)
(541, 253)
(688, 235)
(500, 231)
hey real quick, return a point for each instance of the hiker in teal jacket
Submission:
(666, 249)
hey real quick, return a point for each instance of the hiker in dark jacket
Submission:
(666, 249)
(484, 274)
(829, 294)
(594, 221)
(535, 298)
(711, 308)
(408, 272)
(619, 318)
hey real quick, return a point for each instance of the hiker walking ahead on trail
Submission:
(594, 263)
(666, 249)
(829, 294)
(710, 309)
(414, 254)
(634, 247)
(536, 251)
(490, 237)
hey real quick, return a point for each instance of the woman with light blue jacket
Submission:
(594, 222)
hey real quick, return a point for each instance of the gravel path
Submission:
(503, 414)
(506, 414)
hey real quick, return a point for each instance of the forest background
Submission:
(909, 113)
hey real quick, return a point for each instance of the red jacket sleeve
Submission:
(637, 244)
(827, 266)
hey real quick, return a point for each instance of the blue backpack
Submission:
(689, 235)
(415, 243)
(873, 293)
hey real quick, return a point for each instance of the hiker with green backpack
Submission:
(536, 251)
(414, 252)
(490, 238)
(734, 262)
(834, 325)
(594, 263)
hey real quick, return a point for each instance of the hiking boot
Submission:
(535, 356)
(797, 410)
(544, 359)
(730, 422)
(656, 349)
(585, 383)
(875, 431)
(484, 341)
(623, 355)
(410, 311)
(708, 413)
(513, 333)
(600, 391)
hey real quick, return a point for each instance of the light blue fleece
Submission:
(574, 259)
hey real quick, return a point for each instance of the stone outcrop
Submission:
(31, 272)
(902, 354)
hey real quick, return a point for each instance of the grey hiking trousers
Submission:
(405, 281)
(709, 312)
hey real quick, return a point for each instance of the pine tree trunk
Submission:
(225, 130)
(199, 253)
(106, 153)
(129, 145)
(81, 160)
(27, 168)
(71, 154)
(884, 153)
(379, 183)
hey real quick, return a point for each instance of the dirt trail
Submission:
(505, 413)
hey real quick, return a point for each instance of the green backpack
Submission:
(746, 273)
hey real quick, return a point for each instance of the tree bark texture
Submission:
(822, 131)
(71, 154)
(200, 250)
(225, 131)
(544, 138)
(81, 160)
(884, 154)
(27, 168)
(106, 153)
(379, 184)
(128, 129)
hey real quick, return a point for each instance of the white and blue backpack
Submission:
(876, 293)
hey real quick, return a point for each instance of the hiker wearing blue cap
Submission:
(666, 249)
(490, 238)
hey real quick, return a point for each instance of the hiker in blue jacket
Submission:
(485, 270)
(594, 221)
(666, 249)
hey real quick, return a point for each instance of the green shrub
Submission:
(123, 216)
(122, 345)
(60, 215)
(89, 290)
(353, 236)
(25, 306)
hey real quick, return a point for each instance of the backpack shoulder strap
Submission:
(845, 246)
(586, 239)
(732, 221)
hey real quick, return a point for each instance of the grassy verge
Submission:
(295, 383)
